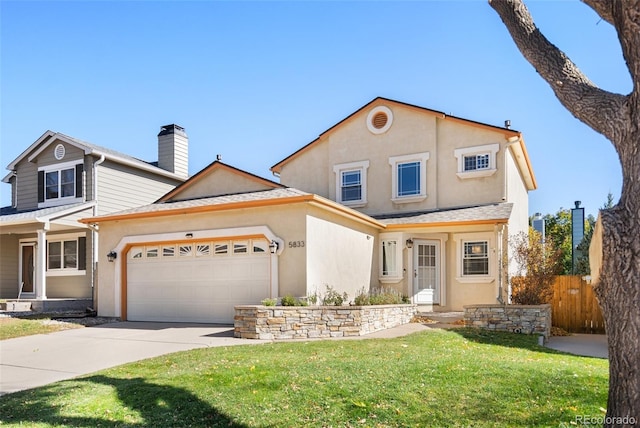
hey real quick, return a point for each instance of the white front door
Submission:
(426, 263)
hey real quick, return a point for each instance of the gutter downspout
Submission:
(510, 142)
(94, 231)
(500, 299)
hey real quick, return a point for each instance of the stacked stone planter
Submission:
(311, 322)
(525, 319)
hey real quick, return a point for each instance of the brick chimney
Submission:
(173, 150)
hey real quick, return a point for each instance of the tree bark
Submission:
(617, 117)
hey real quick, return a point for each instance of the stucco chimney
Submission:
(173, 150)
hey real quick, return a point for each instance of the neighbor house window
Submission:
(409, 177)
(478, 161)
(66, 254)
(475, 260)
(351, 183)
(62, 182)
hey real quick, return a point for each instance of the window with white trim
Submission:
(476, 257)
(478, 161)
(66, 254)
(390, 257)
(60, 183)
(351, 183)
(409, 177)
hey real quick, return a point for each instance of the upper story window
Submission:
(409, 177)
(351, 183)
(60, 183)
(478, 161)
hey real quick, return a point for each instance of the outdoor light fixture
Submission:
(112, 255)
(409, 243)
(273, 247)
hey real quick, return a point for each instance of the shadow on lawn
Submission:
(501, 338)
(157, 405)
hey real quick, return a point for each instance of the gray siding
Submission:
(9, 266)
(27, 173)
(121, 187)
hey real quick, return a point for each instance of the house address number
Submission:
(296, 244)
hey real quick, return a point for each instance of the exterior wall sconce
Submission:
(112, 255)
(273, 247)
(409, 243)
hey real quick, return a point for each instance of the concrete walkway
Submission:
(588, 345)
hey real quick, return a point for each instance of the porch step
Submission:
(16, 306)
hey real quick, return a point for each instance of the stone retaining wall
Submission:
(309, 322)
(525, 319)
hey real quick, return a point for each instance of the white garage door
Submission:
(196, 282)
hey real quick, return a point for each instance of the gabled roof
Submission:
(49, 137)
(264, 198)
(507, 132)
(481, 214)
(211, 168)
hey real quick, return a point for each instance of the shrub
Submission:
(269, 302)
(538, 263)
(288, 300)
(362, 299)
(380, 296)
(334, 298)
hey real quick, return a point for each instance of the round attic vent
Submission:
(379, 120)
(59, 152)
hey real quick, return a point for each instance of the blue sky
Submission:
(255, 81)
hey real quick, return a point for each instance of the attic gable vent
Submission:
(59, 152)
(379, 120)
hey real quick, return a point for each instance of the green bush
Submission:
(269, 302)
(288, 300)
(382, 296)
(334, 298)
(362, 299)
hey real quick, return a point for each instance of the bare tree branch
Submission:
(590, 104)
(602, 7)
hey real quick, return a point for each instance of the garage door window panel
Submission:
(221, 249)
(240, 248)
(203, 250)
(260, 247)
(169, 251)
(152, 252)
(186, 251)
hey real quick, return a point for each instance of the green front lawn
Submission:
(435, 378)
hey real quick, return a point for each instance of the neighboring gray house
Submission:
(45, 252)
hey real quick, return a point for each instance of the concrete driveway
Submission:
(32, 361)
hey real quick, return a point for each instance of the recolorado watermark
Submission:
(585, 421)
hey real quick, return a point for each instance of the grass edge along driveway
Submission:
(436, 378)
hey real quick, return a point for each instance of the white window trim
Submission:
(460, 239)
(417, 157)
(63, 271)
(490, 149)
(390, 279)
(362, 166)
(59, 200)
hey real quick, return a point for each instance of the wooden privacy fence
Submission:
(574, 307)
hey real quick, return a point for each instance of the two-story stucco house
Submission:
(47, 255)
(394, 195)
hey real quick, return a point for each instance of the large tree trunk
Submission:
(618, 118)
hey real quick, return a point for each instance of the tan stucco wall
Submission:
(220, 182)
(289, 223)
(337, 257)
(413, 131)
